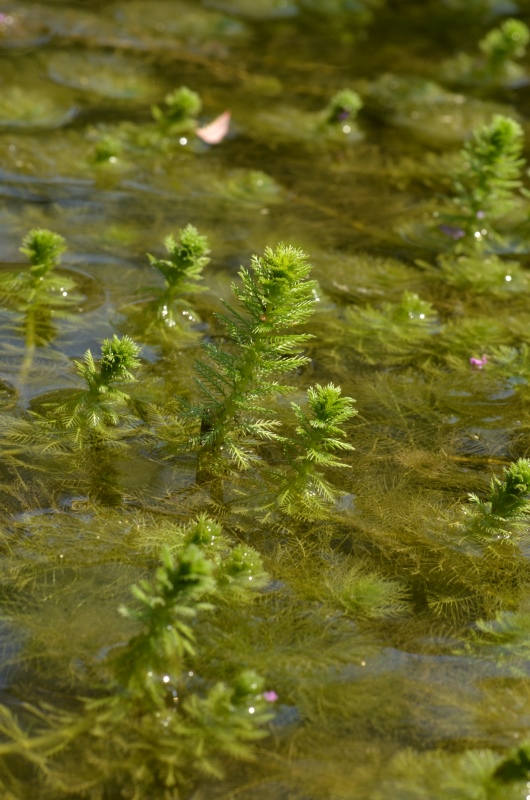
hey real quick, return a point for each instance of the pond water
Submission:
(393, 645)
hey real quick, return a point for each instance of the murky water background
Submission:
(389, 699)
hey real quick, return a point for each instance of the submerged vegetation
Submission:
(269, 536)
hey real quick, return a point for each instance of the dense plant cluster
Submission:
(222, 575)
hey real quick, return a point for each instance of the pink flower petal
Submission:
(270, 697)
(216, 131)
(478, 362)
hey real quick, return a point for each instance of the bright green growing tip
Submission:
(506, 42)
(107, 148)
(497, 146)
(342, 106)
(188, 255)
(510, 496)
(118, 358)
(304, 491)
(247, 683)
(273, 297)
(182, 104)
(280, 270)
(501, 135)
(328, 407)
(487, 186)
(44, 249)
(504, 512)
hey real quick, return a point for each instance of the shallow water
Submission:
(384, 688)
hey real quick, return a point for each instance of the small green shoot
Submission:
(488, 184)
(187, 258)
(179, 115)
(504, 44)
(343, 106)
(108, 149)
(505, 511)
(274, 297)
(44, 249)
(304, 490)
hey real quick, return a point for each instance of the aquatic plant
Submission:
(343, 106)
(504, 512)
(496, 65)
(108, 148)
(378, 564)
(151, 699)
(86, 420)
(487, 186)
(514, 768)
(188, 255)
(510, 364)
(39, 295)
(165, 315)
(505, 639)
(179, 115)
(504, 44)
(392, 331)
(43, 249)
(275, 296)
(438, 774)
(334, 124)
(479, 273)
(102, 405)
(425, 109)
(303, 490)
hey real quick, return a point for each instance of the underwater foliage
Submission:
(335, 124)
(304, 491)
(40, 294)
(497, 64)
(221, 576)
(426, 110)
(102, 404)
(99, 416)
(275, 296)
(505, 511)
(152, 699)
(43, 249)
(486, 188)
(27, 287)
(167, 313)
(179, 115)
(392, 332)
(108, 148)
(343, 106)
(481, 274)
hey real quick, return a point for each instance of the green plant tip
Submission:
(188, 255)
(44, 249)
(118, 358)
(182, 104)
(342, 106)
(107, 149)
(506, 42)
(509, 496)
